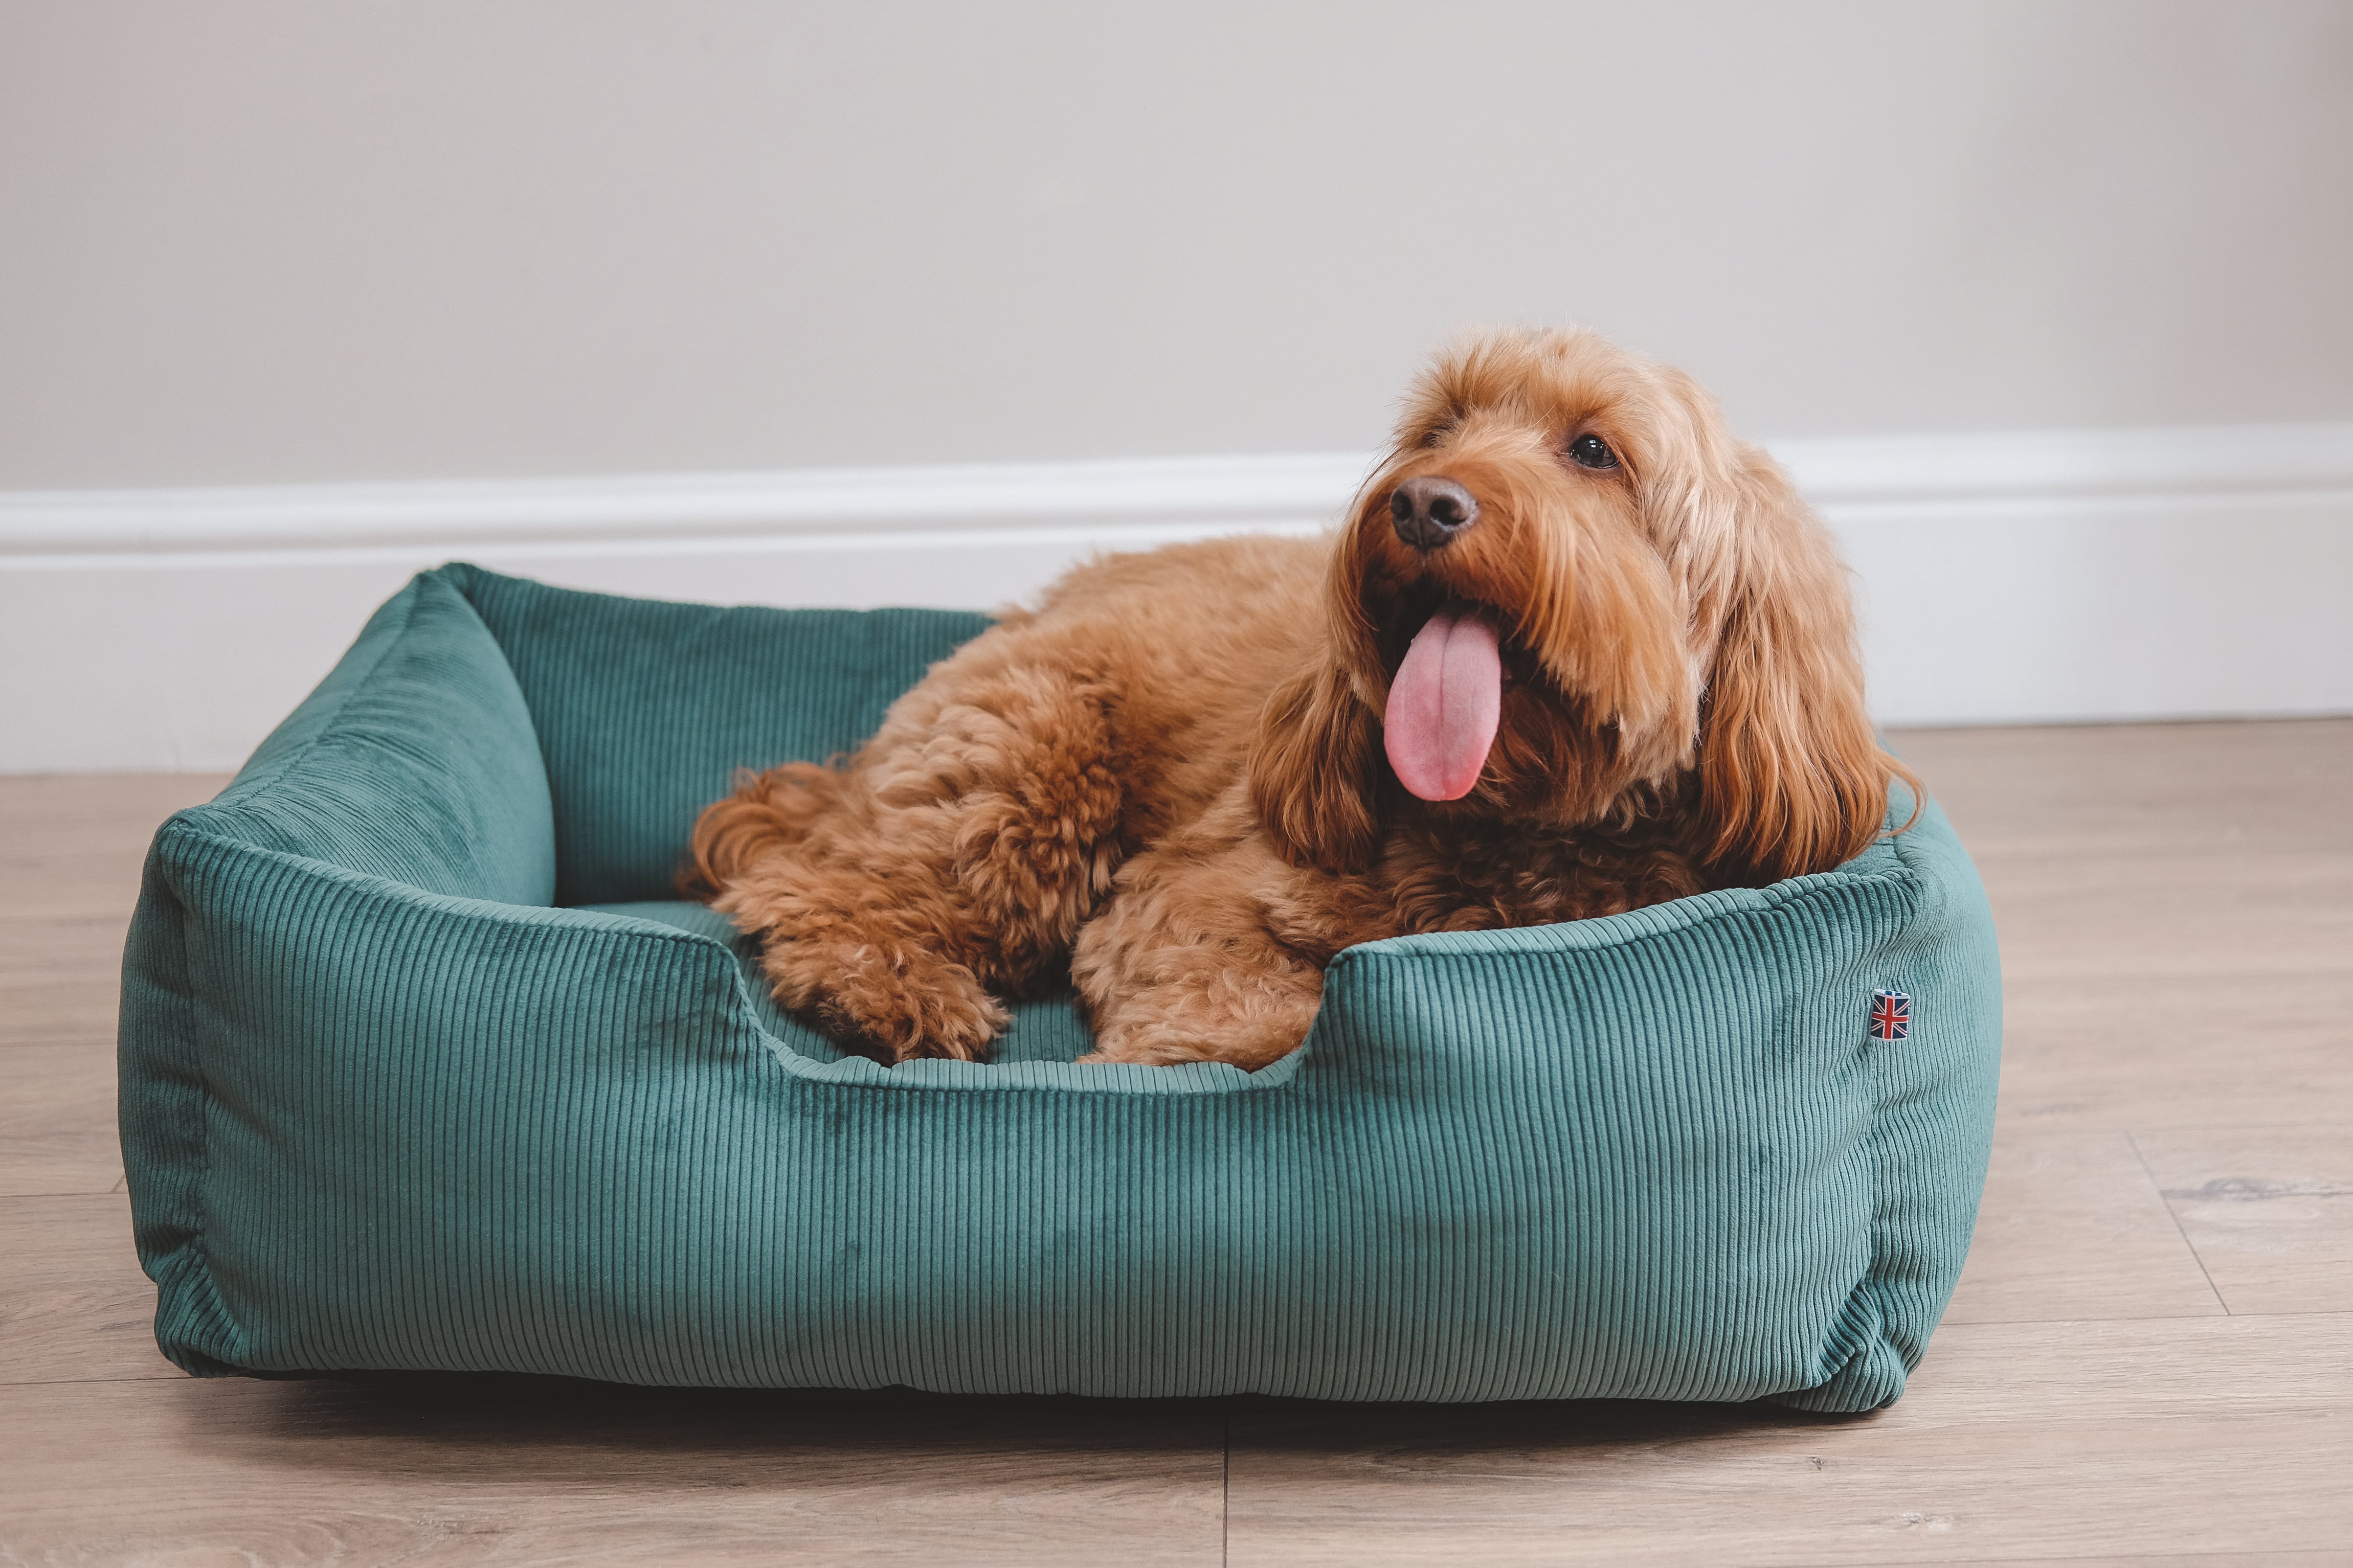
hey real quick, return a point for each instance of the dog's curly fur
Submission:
(1170, 778)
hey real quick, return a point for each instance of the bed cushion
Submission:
(425, 1067)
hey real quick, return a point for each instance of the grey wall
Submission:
(251, 241)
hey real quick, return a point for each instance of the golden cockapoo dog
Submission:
(1575, 650)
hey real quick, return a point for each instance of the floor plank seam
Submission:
(2179, 1318)
(1226, 1498)
(2322, 1124)
(2179, 1229)
(77, 1193)
(2008, 1124)
(2103, 1318)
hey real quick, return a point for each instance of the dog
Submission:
(1574, 650)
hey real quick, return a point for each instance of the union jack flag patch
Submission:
(1891, 1015)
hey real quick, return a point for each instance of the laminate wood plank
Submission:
(2072, 1226)
(2017, 1441)
(70, 802)
(57, 1131)
(71, 853)
(100, 886)
(2181, 1560)
(2269, 1210)
(2177, 1050)
(2175, 904)
(74, 1304)
(462, 1470)
(2240, 917)
(2168, 789)
(59, 978)
(71, 845)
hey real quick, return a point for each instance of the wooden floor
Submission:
(2150, 1358)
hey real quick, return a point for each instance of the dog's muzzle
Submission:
(1430, 511)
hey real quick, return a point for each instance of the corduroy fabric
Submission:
(384, 1107)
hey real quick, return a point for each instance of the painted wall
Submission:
(259, 240)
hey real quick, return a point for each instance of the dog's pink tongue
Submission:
(1443, 706)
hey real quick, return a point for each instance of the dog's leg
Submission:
(1206, 952)
(967, 843)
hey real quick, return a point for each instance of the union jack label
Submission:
(1891, 1015)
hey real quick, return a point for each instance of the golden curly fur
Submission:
(1170, 777)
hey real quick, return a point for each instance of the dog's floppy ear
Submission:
(1312, 770)
(1792, 780)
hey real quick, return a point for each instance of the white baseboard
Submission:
(2046, 576)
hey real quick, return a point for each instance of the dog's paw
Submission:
(960, 1027)
(891, 1004)
(1249, 1043)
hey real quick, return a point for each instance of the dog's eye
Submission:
(1438, 434)
(1591, 452)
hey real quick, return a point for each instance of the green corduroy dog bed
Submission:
(423, 1066)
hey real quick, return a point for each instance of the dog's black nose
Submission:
(1430, 511)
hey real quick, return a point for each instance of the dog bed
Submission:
(425, 1067)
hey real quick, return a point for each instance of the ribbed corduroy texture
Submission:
(384, 1108)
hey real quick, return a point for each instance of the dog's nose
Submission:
(1429, 511)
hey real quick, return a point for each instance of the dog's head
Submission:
(1568, 596)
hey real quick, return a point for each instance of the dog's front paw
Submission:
(957, 1019)
(891, 1004)
(1249, 1041)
